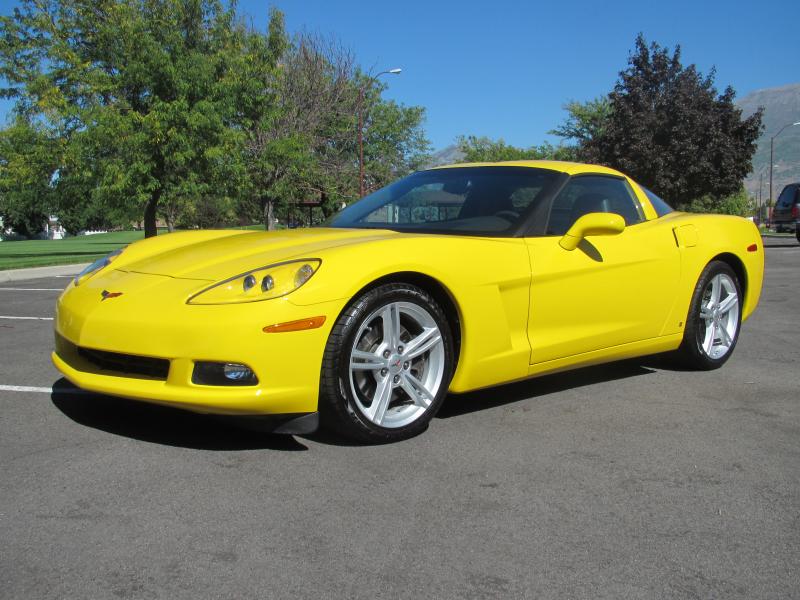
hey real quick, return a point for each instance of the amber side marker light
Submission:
(299, 325)
(752, 248)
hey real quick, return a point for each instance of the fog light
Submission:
(217, 373)
(236, 372)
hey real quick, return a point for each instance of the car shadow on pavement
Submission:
(174, 427)
(161, 424)
(460, 404)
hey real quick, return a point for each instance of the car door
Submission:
(611, 290)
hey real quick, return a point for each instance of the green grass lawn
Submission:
(79, 249)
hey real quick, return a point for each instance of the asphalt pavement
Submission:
(629, 480)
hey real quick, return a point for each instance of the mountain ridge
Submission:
(781, 107)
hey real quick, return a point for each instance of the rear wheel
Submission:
(387, 365)
(714, 319)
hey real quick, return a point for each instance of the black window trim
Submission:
(535, 222)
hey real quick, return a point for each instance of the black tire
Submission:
(797, 232)
(691, 353)
(340, 411)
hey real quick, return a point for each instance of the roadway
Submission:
(631, 480)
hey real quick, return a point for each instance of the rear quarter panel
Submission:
(703, 238)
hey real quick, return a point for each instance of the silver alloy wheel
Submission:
(396, 364)
(719, 316)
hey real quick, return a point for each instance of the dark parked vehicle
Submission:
(786, 214)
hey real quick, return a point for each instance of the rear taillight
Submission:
(796, 211)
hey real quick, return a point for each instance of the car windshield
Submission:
(492, 201)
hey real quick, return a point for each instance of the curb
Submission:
(37, 272)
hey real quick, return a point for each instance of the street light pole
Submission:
(772, 152)
(361, 126)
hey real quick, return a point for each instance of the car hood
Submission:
(223, 257)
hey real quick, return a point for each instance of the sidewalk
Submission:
(37, 272)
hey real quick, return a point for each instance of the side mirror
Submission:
(592, 224)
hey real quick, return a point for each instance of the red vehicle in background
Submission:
(786, 213)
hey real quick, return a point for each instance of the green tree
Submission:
(28, 167)
(394, 139)
(298, 132)
(136, 92)
(484, 149)
(304, 146)
(586, 121)
(671, 130)
(738, 203)
(174, 109)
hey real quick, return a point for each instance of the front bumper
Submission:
(150, 318)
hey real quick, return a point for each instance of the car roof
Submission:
(571, 168)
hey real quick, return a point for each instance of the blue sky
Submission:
(504, 69)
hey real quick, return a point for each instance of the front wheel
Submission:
(387, 365)
(714, 319)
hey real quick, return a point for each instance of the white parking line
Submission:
(25, 388)
(40, 390)
(32, 289)
(28, 318)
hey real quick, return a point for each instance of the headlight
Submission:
(266, 283)
(100, 263)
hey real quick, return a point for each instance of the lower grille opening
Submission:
(128, 365)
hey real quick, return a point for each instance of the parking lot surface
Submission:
(629, 480)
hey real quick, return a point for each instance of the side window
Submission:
(785, 199)
(590, 193)
(661, 207)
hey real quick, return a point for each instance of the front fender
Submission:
(487, 278)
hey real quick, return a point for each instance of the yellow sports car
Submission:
(449, 280)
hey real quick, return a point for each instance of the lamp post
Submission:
(361, 126)
(771, 154)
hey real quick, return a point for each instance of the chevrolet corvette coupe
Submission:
(449, 280)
